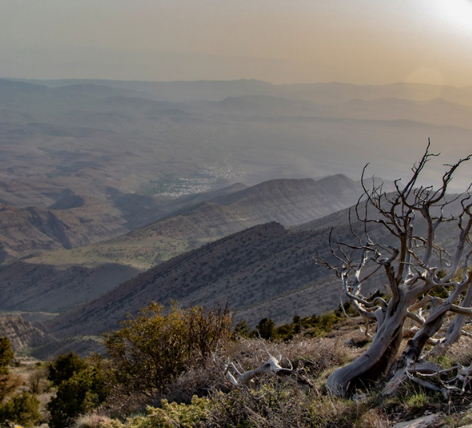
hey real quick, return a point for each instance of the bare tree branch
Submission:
(413, 266)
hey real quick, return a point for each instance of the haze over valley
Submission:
(103, 180)
(141, 140)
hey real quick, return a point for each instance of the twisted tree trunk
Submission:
(409, 273)
(376, 361)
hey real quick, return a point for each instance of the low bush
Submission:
(151, 350)
(82, 392)
(64, 367)
(171, 415)
(22, 408)
(6, 355)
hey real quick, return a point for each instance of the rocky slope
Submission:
(264, 271)
(22, 334)
(75, 221)
(286, 201)
(50, 282)
(25, 231)
(39, 287)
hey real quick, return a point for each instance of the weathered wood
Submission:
(271, 366)
(409, 275)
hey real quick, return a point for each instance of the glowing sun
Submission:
(457, 14)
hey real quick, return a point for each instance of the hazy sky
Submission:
(280, 41)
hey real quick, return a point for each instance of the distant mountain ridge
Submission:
(287, 201)
(323, 92)
(181, 138)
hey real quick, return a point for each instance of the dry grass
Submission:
(274, 402)
(32, 377)
(278, 405)
(92, 421)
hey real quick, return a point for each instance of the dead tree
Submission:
(271, 367)
(410, 263)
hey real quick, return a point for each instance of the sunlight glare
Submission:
(426, 75)
(457, 14)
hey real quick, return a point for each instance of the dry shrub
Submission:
(312, 354)
(199, 381)
(93, 421)
(332, 412)
(122, 403)
(373, 418)
(37, 382)
(272, 403)
(154, 348)
(460, 352)
(309, 357)
(275, 405)
(278, 405)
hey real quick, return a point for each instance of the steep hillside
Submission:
(28, 337)
(58, 280)
(72, 221)
(293, 202)
(266, 270)
(142, 210)
(39, 287)
(25, 231)
(287, 201)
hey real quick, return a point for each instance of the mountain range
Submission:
(58, 280)
(97, 138)
(113, 194)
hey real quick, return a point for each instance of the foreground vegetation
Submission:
(170, 370)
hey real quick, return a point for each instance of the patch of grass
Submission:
(417, 402)
(140, 253)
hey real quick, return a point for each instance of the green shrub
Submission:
(171, 415)
(64, 367)
(80, 394)
(6, 355)
(287, 331)
(417, 401)
(21, 409)
(152, 349)
(241, 330)
(266, 329)
(8, 383)
(313, 326)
